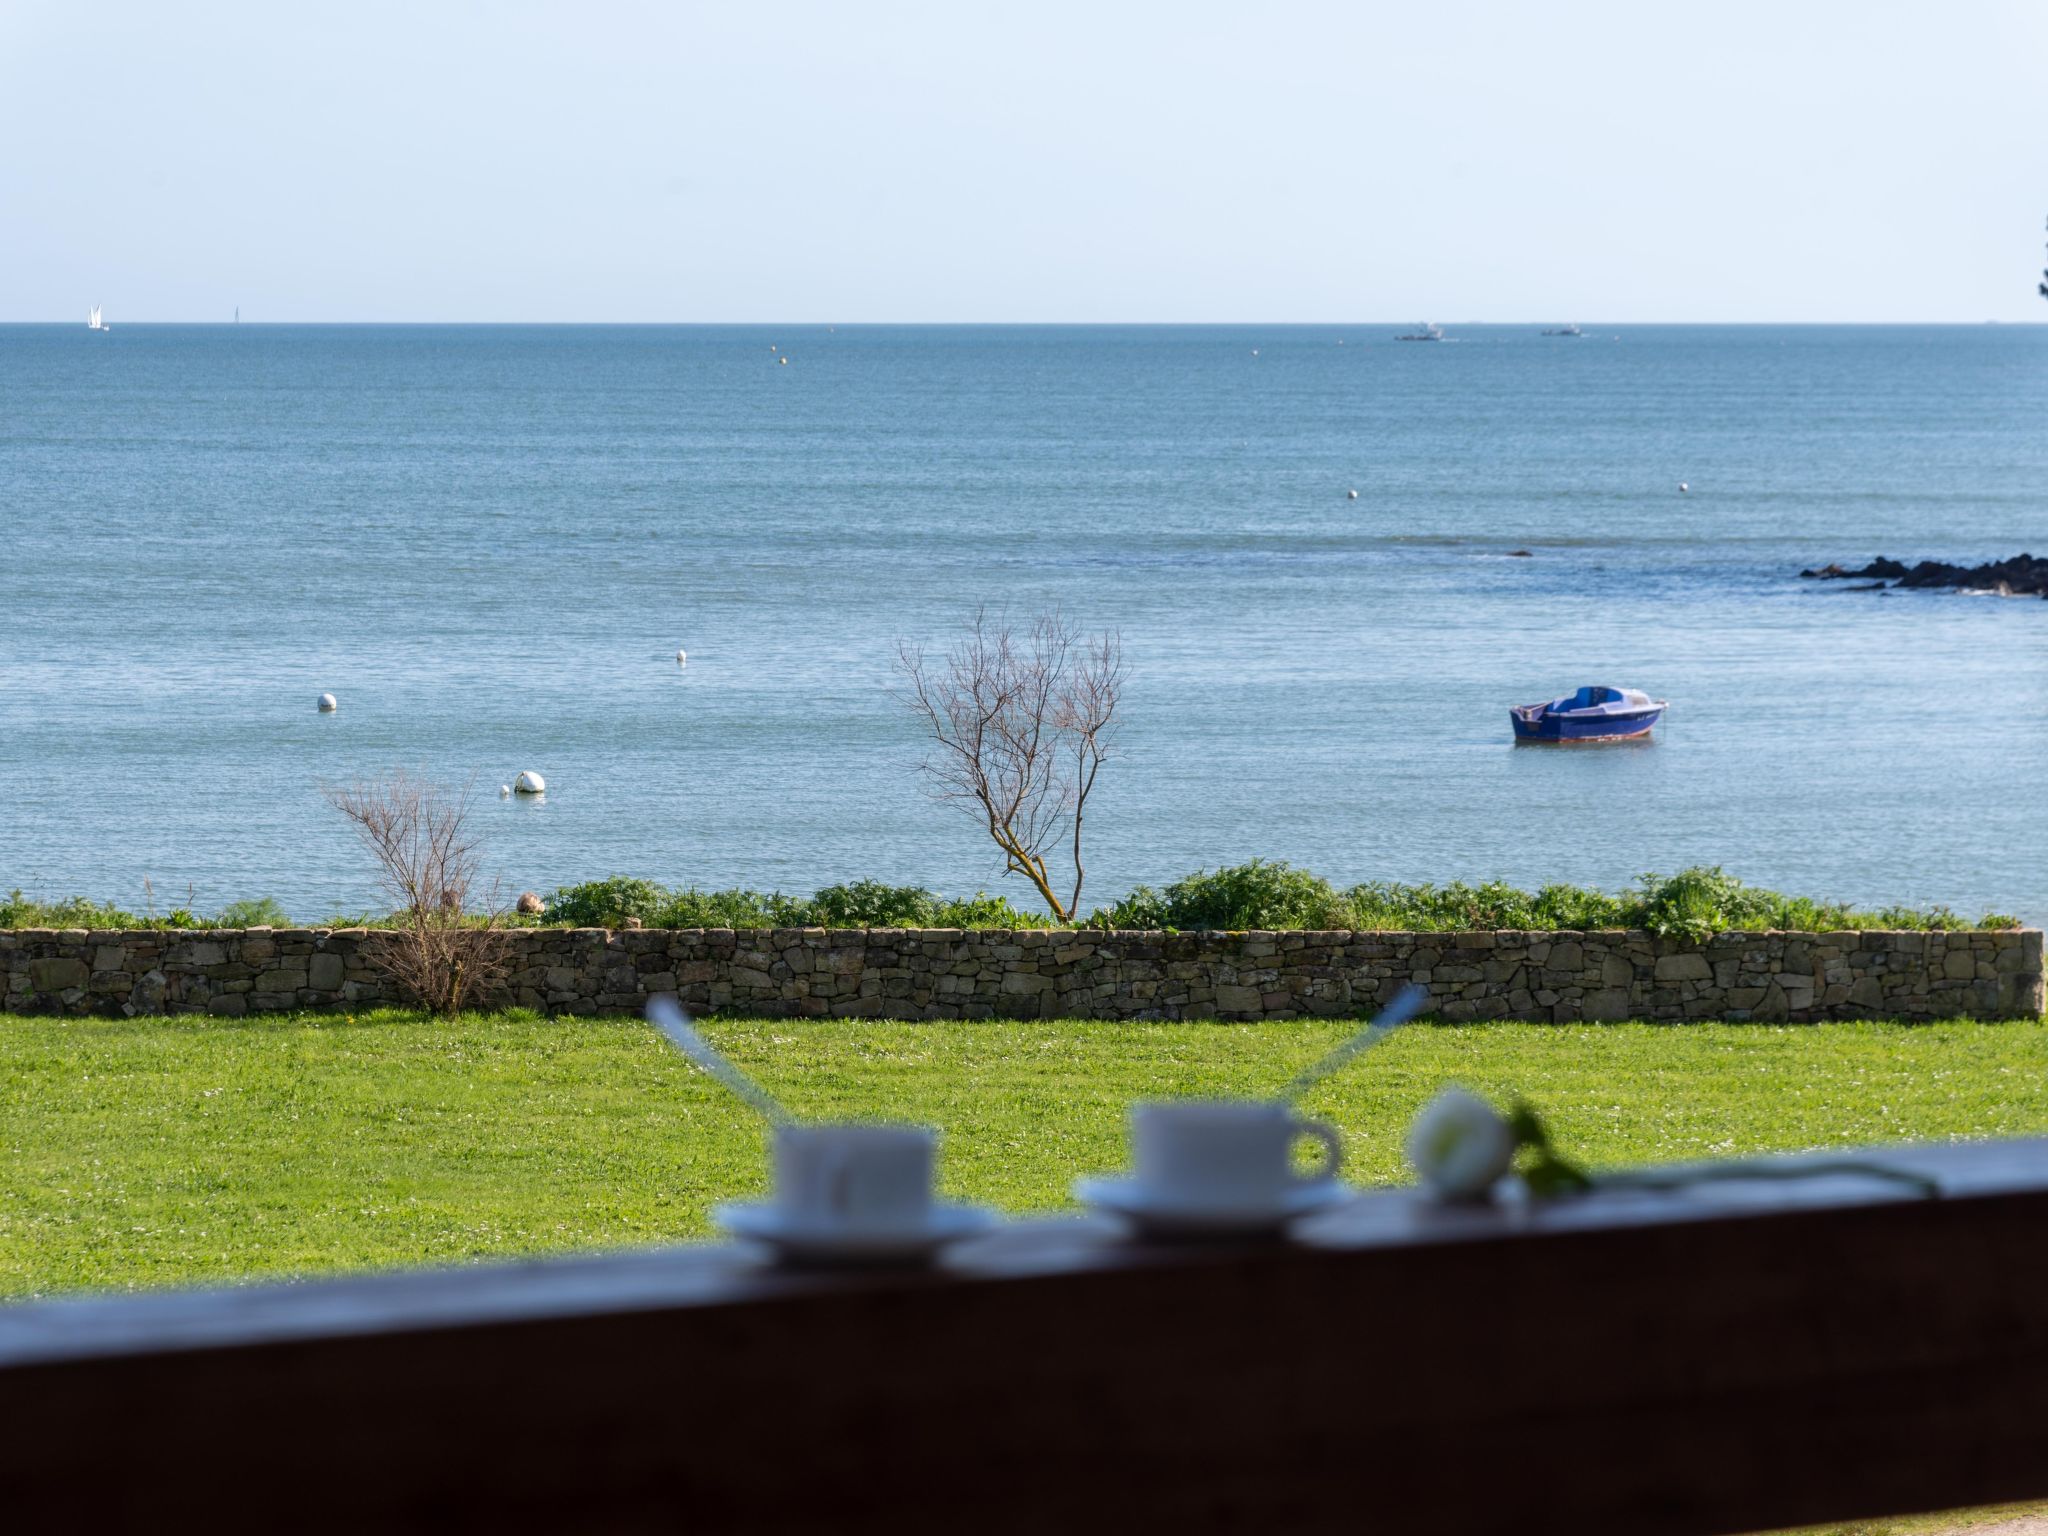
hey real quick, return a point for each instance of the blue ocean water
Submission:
(489, 542)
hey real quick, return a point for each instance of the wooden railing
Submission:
(1724, 1358)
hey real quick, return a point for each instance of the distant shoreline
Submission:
(1362, 326)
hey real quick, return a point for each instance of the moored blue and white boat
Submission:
(1591, 714)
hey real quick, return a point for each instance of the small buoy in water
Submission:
(327, 704)
(530, 783)
(1351, 495)
(1255, 351)
(785, 362)
(504, 790)
(682, 655)
(1683, 486)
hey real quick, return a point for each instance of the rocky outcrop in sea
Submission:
(2021, 576)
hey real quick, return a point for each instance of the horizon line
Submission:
(1045, 324)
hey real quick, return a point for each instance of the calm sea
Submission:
(490, 542)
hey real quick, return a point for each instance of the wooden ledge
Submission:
(1727, 1357)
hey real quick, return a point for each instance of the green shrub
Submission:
(982, 910)
(1495, 904)
(605, 903)
(1262, 894)
(1573, 906)
(731, 909)
(19, 911)
(355, 920)
(872, 904)
(262, 912)
(1692, 903)
(1143, 908)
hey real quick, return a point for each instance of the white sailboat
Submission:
(94, 321)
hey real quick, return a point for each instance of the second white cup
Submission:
(1225, 1154)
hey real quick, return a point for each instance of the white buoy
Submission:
(504, 790)
(530, 783)
(1351, 495)
(327, 704)
(1683, 486)
(785, 362)
(682, 655)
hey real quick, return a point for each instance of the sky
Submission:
(1464, 161)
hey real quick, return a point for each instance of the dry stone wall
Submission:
(947, 974)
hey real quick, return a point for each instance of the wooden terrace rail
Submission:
(1725, 1358)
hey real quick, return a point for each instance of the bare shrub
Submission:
(447, 947)
(1019, 723)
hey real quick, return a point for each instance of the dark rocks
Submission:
(2021, 576)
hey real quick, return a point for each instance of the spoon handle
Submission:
(666, 1015)
(1408, 1002)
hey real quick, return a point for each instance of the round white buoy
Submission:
(327, 704)
(504, 790)
(785, 362)
(1351, 495)
(1683, 486)
(682, 655)
(530, 783)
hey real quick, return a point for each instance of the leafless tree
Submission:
(1018, 725)
(449, 945)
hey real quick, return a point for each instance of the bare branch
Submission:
(1017, 728)
(443, 951)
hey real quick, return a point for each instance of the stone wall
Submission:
(945, 974)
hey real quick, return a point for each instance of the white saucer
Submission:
(797, 1242)
(1156, 1217)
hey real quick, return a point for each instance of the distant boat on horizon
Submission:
(1565, 330)
(1430, 331)
(94, 322)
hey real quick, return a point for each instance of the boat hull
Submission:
(1534, 723)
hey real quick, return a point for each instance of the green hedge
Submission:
(1695, 902)
(1261, 894)
(864, 904)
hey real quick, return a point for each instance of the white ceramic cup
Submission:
(1224, 1154)
(855, 1178)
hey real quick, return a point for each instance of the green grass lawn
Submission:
(157, 1151)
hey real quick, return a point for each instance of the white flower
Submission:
(1460, 1146)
